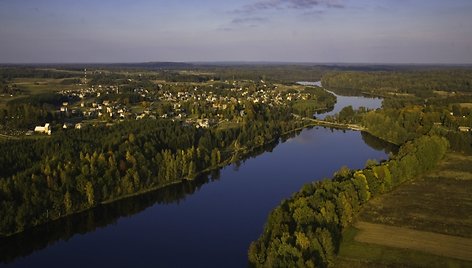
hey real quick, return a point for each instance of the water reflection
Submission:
(40, 237)
(37, 238)
(379, 144)
(342, 101)
(213, 228)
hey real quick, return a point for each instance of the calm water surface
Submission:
(343, 101)
(209, 222)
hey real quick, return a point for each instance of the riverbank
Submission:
(234, 207)
(231, 203)
(236, 154)
(354, 127)
(244, 152)
(320, 212)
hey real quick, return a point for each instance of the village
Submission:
(199, 104)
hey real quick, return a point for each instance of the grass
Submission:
(33, 86)
(8, 137)
(466, 105)
(440, 201)
(400, 237)
(357, 254)
(437, 205)
(42, 85)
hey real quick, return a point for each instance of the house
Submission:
(46, 129)
(203, 123)
(464, 129)
(78, 126)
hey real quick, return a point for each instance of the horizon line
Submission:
(239, 62)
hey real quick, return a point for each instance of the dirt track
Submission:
(438, 244)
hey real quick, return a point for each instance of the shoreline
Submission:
(234, 156)
(241, 153)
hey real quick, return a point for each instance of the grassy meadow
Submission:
(426, 222)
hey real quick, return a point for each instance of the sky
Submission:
(318, 31)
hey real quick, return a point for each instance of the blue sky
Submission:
(367, 31)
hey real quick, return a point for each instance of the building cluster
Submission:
(93, 102)
(222, 98)
(90, 92)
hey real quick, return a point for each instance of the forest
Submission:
(45, 179)
(306, 229)
(421, 83)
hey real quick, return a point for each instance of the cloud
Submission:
(225, 29)
(249, 20)
(312, 13)
(247, 16)
(262, 5)
(308, 4)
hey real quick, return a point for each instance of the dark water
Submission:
(206, 223)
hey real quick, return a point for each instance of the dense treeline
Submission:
(26, 112)
(199, 74)
(407, 122)
(320, 99)
(173, 76)
(421, 111)
(98, 78)
(75, 170)
(179, 72)
(419, 83)
(401, 125)
(10, 73)
(306, 230)
(37, 100)
(33, 239)
(9, 89)
(272, 72)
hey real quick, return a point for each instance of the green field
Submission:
(42, 85)
(33, 86)
(353, 254)
(431, 211)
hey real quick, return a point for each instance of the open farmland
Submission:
(426, 222)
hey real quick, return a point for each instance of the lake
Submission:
(208, 222)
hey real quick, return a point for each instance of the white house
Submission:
(44, 129)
